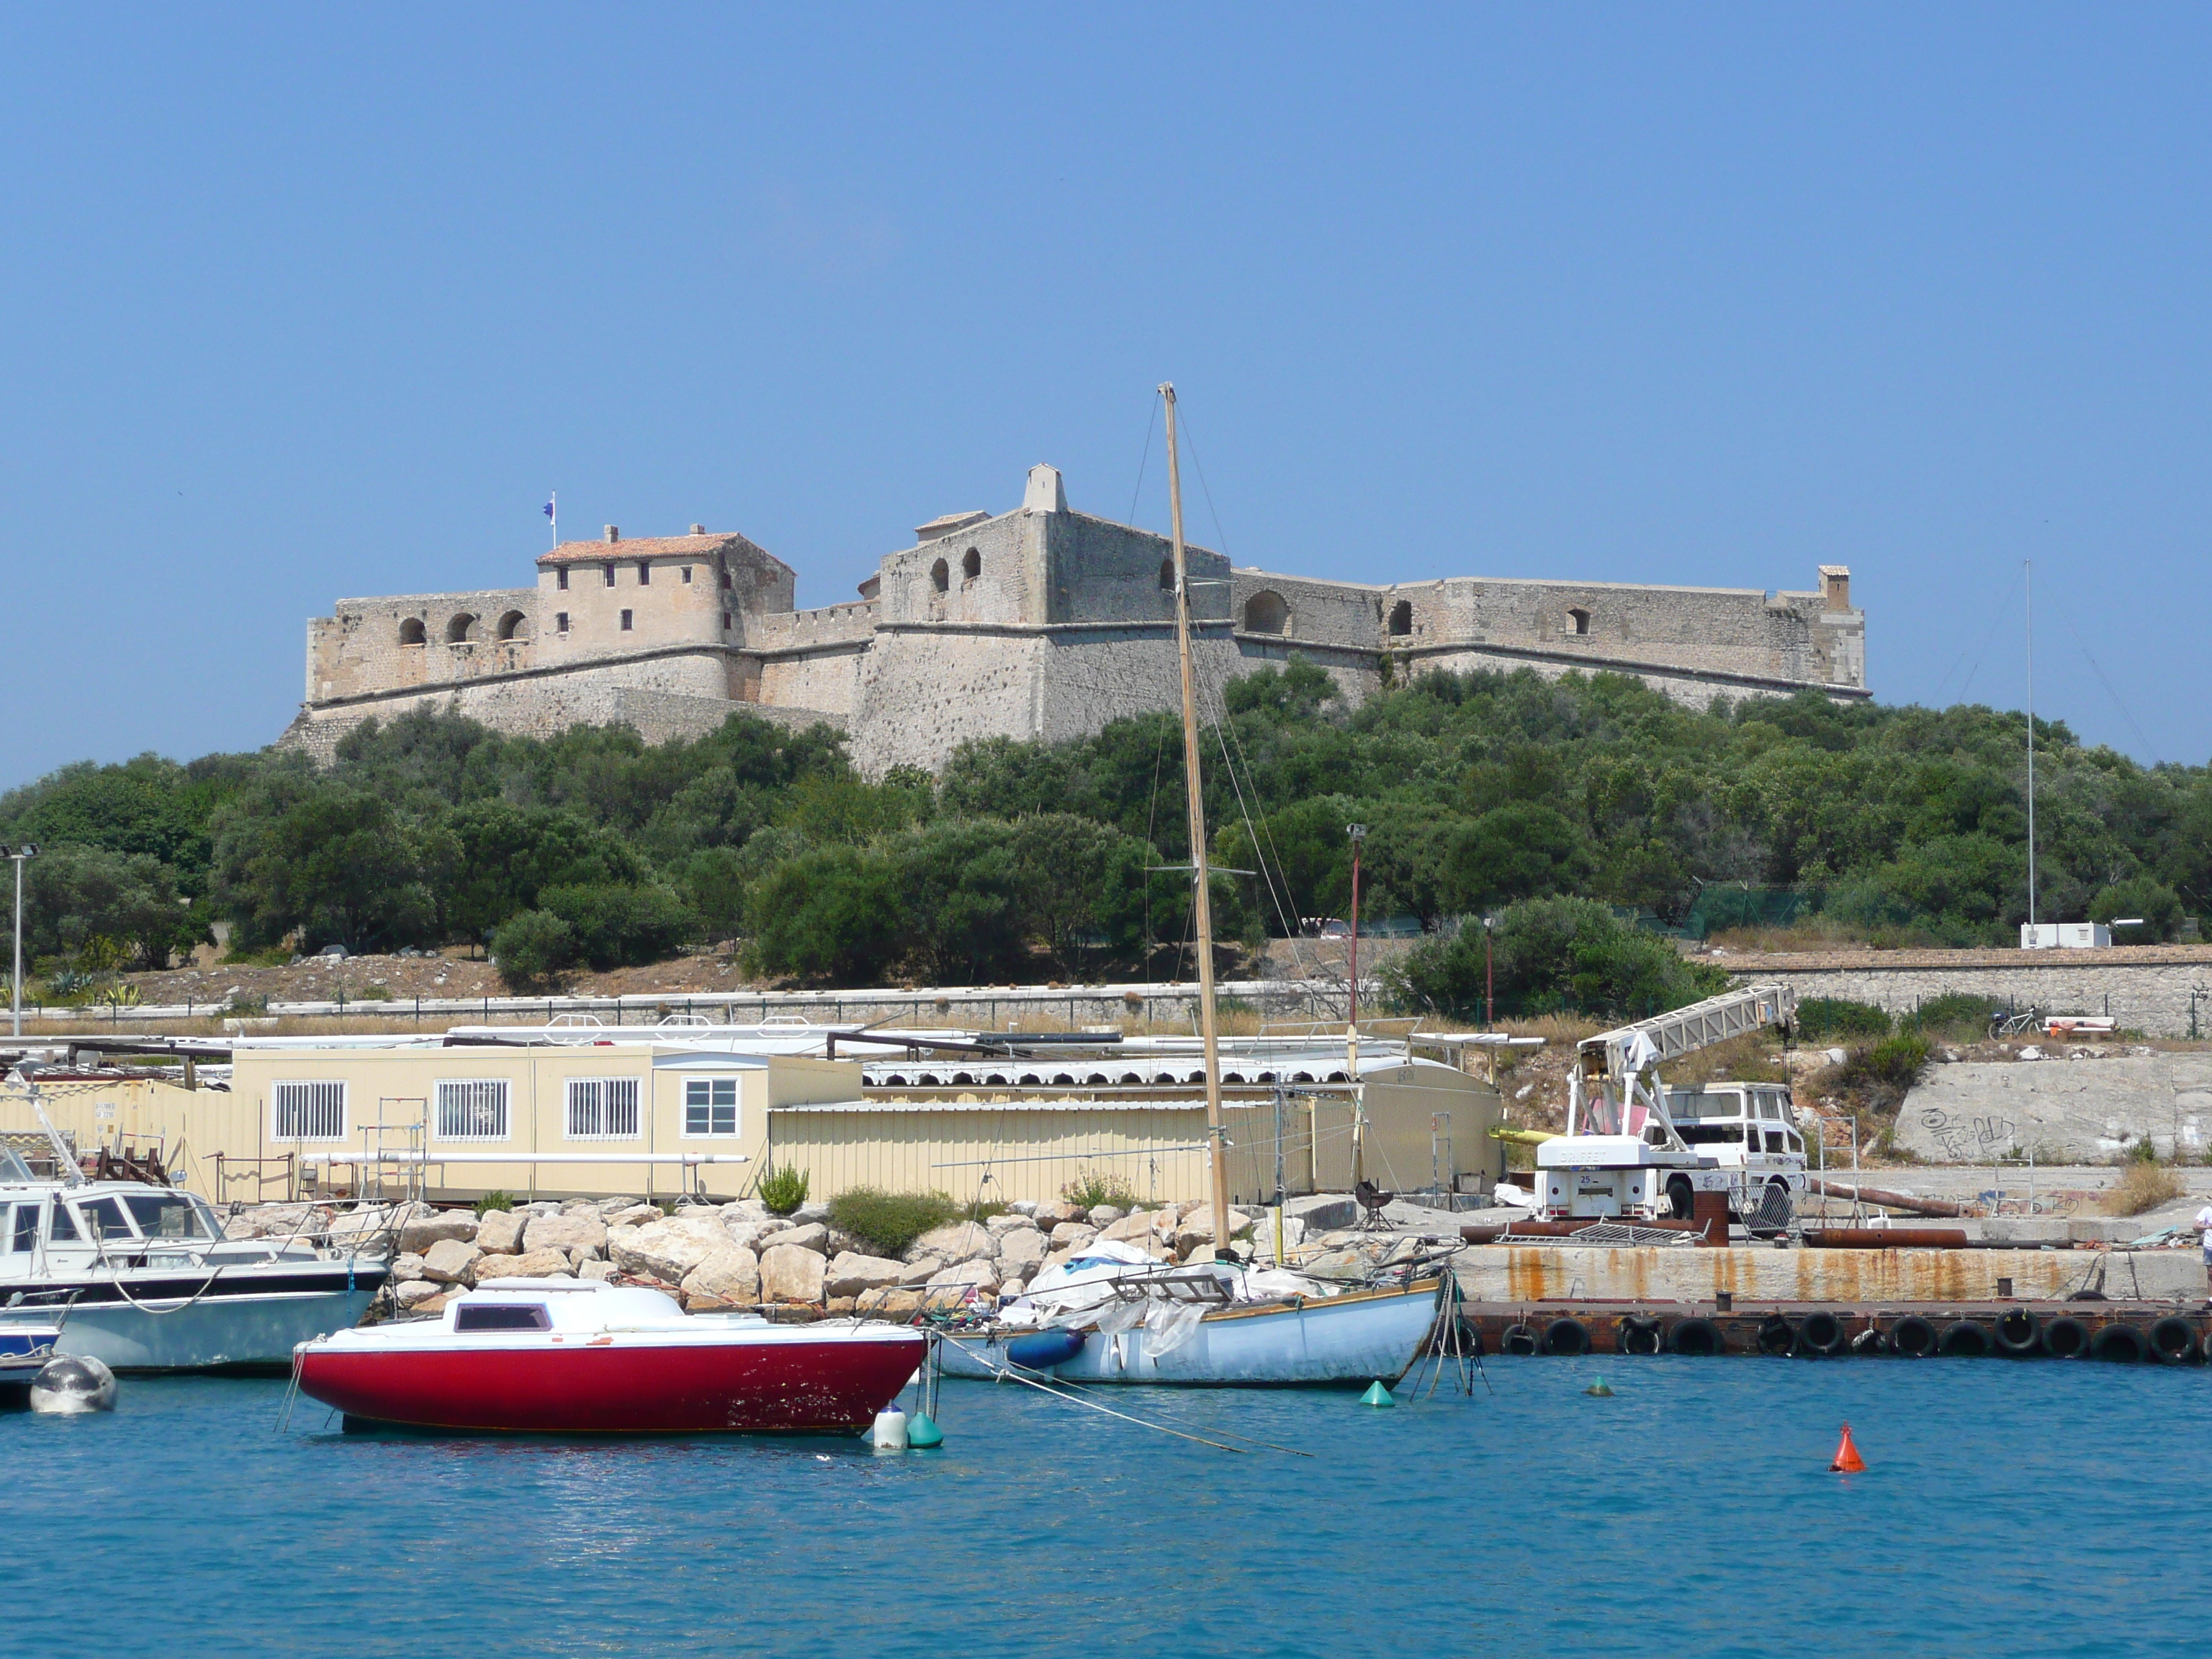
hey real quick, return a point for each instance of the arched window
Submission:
(971, 564)
(411, 631)
(940, 575)
(514, 626)
(1578, 620)
(1265, 613)
(462, 629)
(1167, 575)
(1401, 618)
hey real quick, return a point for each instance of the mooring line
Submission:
(1093, 1406)
(1072, 1393)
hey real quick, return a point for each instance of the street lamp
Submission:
(18, 854)
(1489, 979)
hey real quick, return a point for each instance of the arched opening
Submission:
(411, 631)
(514, 626)
(1167, 575)
(1578, 620)
(1265, 613)
(462, 628)
(940, 575)
(1401, 618)
(971, 564)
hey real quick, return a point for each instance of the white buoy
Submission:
(69, 1385)
(890, 1429)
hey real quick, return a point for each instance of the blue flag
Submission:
(548, 509)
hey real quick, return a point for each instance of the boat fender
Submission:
(890, 1432)
(2019, 1331)
(71, 1384)
(1518, 1339)
(1775, 1336)
(2173, 1340)
(922, 1433)
(1376, 1395)
(2122, 1345)
(1698, 1337)
(1040, 1351)
(1913, 1337)
(2065, 1338)
(1963, 1338)
(1634, 1334)
(1819, 1333)
(1566, 1335)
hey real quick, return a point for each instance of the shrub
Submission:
(1552, 955)
(533, 950)
(495, 1200)
(783, 1190)
(1955, 1014)
(1819, 1019)
(886, 1223)
(2141, 1187)
(617, 926)
(1092, 1188)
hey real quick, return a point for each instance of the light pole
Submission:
(1489, 978)
(1358, 833)
(18, 854)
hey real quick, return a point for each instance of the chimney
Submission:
(1836, 586)
(614, 532)
(698, 529)
(1045, 493)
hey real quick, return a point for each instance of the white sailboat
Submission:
(1114, 1315)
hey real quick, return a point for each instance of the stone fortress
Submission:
(1040, 623)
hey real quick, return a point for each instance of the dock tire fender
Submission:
(1566, 1335)
(1775, 1336)
(1913, 1337)
(1636, 1334)
(2065, 1338)
(1870, 1343)
(2122, 1345)
(1819, 1333)
(2173, 1340)
(1680, 1200)
(2020, 1332)
(1964, 1339)
(1696, 1337)
(1518, 1339)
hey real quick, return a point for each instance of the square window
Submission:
(560, 622)
(625, 622)
(307, 1111)
(472, 1109)
(710, 1106)
(603, 1108)
(644, 574)
(561, 578)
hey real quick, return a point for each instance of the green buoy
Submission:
(921, 1431)
(1596, 1390)
(1376, 1395)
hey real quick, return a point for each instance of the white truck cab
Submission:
(1749, 1129)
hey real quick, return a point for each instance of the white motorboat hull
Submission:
(250, 1332)
(1362, 1337)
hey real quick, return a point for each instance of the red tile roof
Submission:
(652, 547)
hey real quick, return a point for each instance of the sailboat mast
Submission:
(2028, 572)
(1195, 796)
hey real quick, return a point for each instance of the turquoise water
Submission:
(2015, 1508)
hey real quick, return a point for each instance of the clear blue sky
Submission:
(311, 302)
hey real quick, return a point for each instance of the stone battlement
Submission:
(1038, 622)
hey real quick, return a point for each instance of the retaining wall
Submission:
(2151, 988)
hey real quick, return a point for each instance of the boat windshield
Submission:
(103, 1218)
(12, 1167)
(167, 1215)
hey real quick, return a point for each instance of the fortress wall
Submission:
(852, 622)
(1100, 571)
(922, 693)
(1686, 687)
(826, 677)
(356, 648)
(1338, 613)
(1008, 586)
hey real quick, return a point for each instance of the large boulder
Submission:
(852, 1275)
(415, 1293)
(730, 1275)
(530, 1264)
(600, 1272)
(668, 1249)
(1263, 1236)
(790, 1272)
(816, 1209)
(1134, 1228)
(812, 1236)
(420, 1233)
(1073, 1235)
(1197, 1228)
(1021, 1252)
(406, 1268)
(633, 1215)
(571, 1230)
(920, 1268)
(1006, 1220)
(448, 1261)
(1053, 1212)
(897, 1303)
(980, 1274)
(499, 1232)
(957, 1241)
(1105, 1215)
(1323, 1212)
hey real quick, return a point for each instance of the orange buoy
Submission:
(1848, 1461)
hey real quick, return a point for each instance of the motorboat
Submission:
(568, 1356)
(1112, 1314)
(142, 1278)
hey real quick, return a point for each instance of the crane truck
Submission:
(1636, 1150)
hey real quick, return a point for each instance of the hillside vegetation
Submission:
(1544, 801)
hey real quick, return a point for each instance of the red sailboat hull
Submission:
(617, 1388)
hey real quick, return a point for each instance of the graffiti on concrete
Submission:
(1969, 1139)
